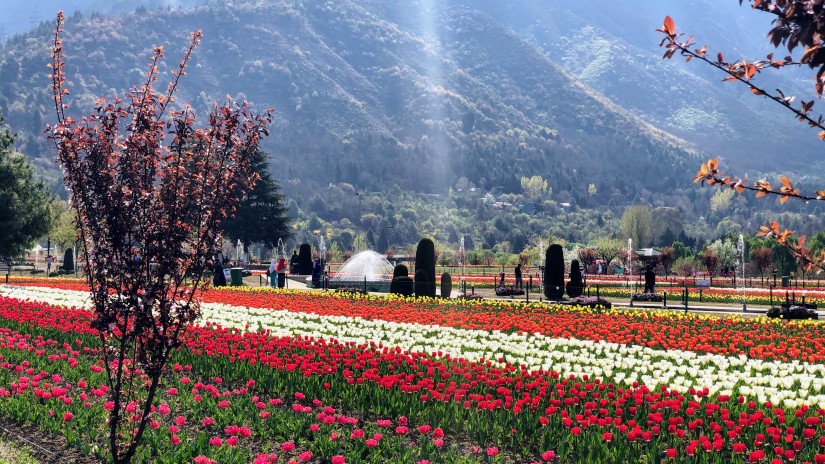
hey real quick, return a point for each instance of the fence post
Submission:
(686, 300)
(597, 293)
(529, 284)
(365, 285)
(664, 301)
(700, 295)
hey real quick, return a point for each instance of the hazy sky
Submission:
(18, 16)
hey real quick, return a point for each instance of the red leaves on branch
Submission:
(150, 190)
(798, 22)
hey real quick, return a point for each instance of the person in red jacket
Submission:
(280, 268)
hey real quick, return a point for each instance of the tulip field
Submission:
(288, 376)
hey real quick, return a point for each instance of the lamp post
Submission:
(774, 277)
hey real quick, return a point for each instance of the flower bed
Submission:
(403, 380)
(509, 291)
(647, 297)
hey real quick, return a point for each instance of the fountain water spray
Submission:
(740, 247)
(365, 268)
(629, 264)
(322, 249)
(461, 260)
(541, 268)
(281, 248)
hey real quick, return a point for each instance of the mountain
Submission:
(613, 49)
(19, 16)
(422, 118)
(364, 97)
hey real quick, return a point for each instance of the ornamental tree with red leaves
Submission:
(796, 24)
(150, 190)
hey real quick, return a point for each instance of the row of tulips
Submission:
(792, 384)
(54, 383)
(750, 296)
(229, 420)
(610, 289)
(754, 338)
(391, 382)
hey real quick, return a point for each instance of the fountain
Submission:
(461, 253)
(366, 268)
(238, 250)
(740, 247)
(541, 268)
(629, 265)
(322, 250)
(281, 248)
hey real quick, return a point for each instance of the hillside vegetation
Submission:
(420, 102)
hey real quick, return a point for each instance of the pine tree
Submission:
(24, 202)
(261, 217)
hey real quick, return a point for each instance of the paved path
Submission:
(298, 282)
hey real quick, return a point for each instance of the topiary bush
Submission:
(575, 286)
(305, 259)
(446, 285)
(425, 261)
(400, 270)
(423, 284)
(402, 285)
(554, 272)
(68, 261)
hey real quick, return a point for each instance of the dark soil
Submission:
(46, 448)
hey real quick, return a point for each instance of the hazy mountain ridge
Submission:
(470, 97)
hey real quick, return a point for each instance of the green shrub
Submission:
(575, 286)
(68, 261)
(305, 259)
(425, 261)
(446, 285)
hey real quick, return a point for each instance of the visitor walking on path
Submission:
(48, 265)
(518, 276)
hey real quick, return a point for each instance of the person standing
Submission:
(316, 274)
(272, 273)
(218, 277)
(280, 269)
(48, 264)
(518, 276)
(650, 280)
(293, 262)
